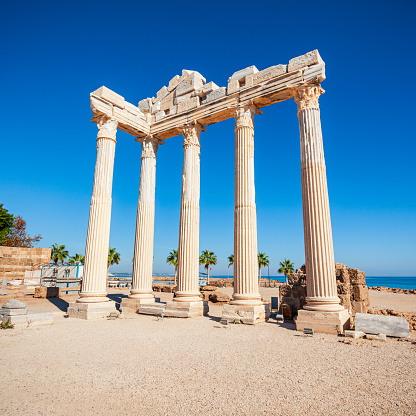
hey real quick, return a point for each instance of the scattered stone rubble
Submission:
(351, 286)
(394, 290)
(213, 294)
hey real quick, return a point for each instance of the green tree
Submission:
(286, 268)
(263, 261)
(6, 223)
(113, 258)
(78, 258)
(58, 253)
(208, 258)
(231, 260)
(173, 260)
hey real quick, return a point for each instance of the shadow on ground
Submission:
(59, 303)
(117, 298)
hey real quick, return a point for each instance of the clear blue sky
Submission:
(55, 53)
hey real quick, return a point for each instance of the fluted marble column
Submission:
(94, 281)
(188, 249)
(141, 287)
(246, 287)
(319, 252)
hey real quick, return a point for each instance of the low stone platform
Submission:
(324, 322)
(17, 314)
(186, 309)
(155, 308)
(134, 304)
(250, 315)
(91, 310)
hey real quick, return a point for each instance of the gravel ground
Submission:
(143, 366)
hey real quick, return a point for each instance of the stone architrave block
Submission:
(160, 115)
(99, 105)
(190, 84)
(110, 96)
(213, 95)
(269, 73)
(309, 59)
(145, 105)
(167, 102)
(242, 73)
(314, 73)
(132, 109)
(392, 326)
(349, 333)
(172, 111)
(188, 105)
(155, 107)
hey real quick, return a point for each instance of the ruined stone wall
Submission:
(351, 286)
(14, 261)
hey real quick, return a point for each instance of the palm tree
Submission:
(113, 258)
(58, 253)
(231, 260)
(173, 260)
(263, 261)
(77, 259)
(286, 268)
(208, 258)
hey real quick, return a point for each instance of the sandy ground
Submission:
(143, 366)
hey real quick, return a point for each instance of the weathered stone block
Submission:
(310, 58)
(110, 96)
(378, 337)
(132, 109)
(101, 106)
(188, 105)
(182, 98)
(155, 107)
(357, 277)
(186, 309)
(209, 87)
(324, 322)
(145, 105)
(213, 95)
(159, 115)
(47, 292)
(392, 326)
(163, 92)
(360, 292)
(269, 73)
(250, 315)
(242, 73)
(349, 333)
(189, 84)
(173, 82)
(218, 296)
(134, 304)
(91, 310)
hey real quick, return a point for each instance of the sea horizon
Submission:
(399, 282)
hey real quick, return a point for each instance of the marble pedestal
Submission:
(245, 314)
(325, 322)
(134, 304)
(91, 310)
(186, 309)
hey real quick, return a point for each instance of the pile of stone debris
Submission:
(351, 286)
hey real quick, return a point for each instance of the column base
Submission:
(186, 309)
(134, 303)
(324, 322)
(91, 310)
(246, 314)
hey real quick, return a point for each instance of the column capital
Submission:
(107, 128)
(307, 96)
(244, 116)
(149, 147)
(192, 133)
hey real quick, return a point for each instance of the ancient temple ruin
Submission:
(188, 106)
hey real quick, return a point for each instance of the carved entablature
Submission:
(192, 135)
(107, 128)
(307, 96)
(149, 148)
(189, 98)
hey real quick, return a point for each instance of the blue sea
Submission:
(406, 282)
(401, 282)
